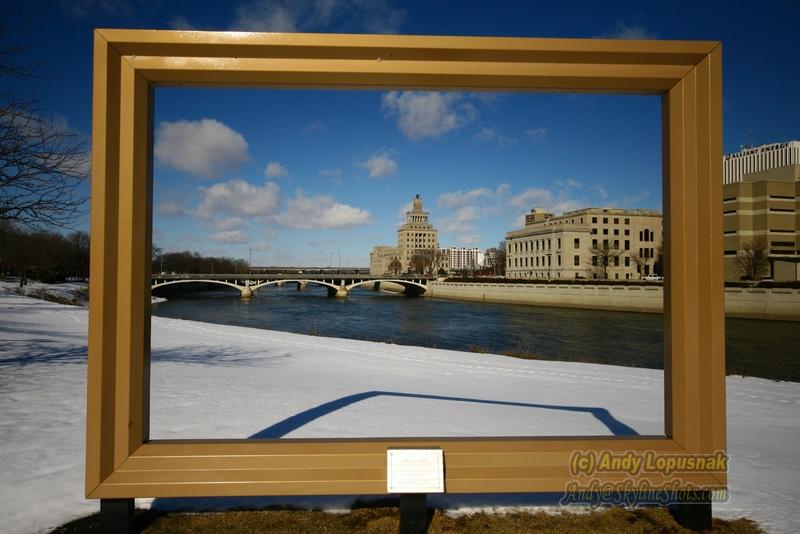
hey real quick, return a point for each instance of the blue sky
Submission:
(304, 177)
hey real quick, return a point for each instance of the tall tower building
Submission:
(416, 235)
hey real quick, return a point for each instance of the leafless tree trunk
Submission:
(752, 261)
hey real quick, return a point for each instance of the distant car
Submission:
(654, 278)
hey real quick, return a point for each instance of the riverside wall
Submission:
(751, 303)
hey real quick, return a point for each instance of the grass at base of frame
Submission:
(387, 520)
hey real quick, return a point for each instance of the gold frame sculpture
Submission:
(121, 460)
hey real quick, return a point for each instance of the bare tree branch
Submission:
(42, 164)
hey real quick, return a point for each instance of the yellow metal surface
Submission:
(122, 462)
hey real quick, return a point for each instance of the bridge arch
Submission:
(411, 287)
(330, 286)
(193, 281)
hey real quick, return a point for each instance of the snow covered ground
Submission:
(220, 381)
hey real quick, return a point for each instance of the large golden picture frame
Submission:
(121, 460)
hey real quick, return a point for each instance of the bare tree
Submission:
(752, 261)
(428, 261)
(603, 254)
(395, 267)
(641, 263)
(42, 164)
(500, 259)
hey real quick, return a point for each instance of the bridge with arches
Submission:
(338, 285)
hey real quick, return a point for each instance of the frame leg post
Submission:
(116, 516)
(695, 512)
(413, 513)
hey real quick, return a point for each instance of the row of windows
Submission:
(616, 220)
(576, 260)
(546, 275)
(536, 244)
(616, 231)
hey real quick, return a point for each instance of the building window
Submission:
(577, 242)
(558, 243)
(594, 230)
(627, 232)
(594, 242)
(605, 231)
(594, 261)
(627, 221)
(616, 231)
(605, 220)
(616, 261)
(627, 261)
(558, 260)
(594, 220)
(627, 244)
(576, 260)
(616, 220)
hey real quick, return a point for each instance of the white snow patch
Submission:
(219, 381)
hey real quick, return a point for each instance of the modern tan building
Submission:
(417, 235)
(765, 205)
(560, 247)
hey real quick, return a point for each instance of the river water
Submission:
(766, 349)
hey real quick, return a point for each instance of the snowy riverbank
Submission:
(220, 381)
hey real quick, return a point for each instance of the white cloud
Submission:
(468, 240)
(239, 198)
(380, 165)
(569, 183)
(229, 236)
(423, 115)
(532, 197)
(205, 148)
(275, 170)
(227, 223)
(172, 208)
(331, 173)
(334, 175)
(624, 31)
(536, 134)
(320, 212)
(490, 135)
(456, 199)
(373, 16)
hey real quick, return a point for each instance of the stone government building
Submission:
(559, 247)
(415, 236)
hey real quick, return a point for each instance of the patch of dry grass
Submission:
(380, 520)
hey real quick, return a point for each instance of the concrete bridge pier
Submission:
(247, 292)
(376, 286)
(280, 284)
(301, 286)
(339, 292)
